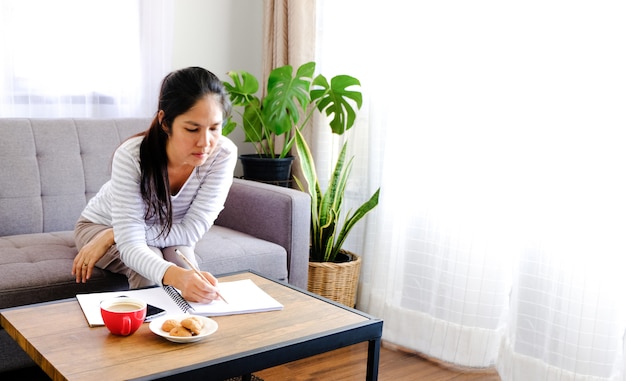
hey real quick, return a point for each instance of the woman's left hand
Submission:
(86, 259)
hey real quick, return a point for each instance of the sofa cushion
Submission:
(223, 250)
(37, 268)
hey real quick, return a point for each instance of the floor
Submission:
(394, 365)
(343, 364)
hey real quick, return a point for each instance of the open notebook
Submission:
(243, 296)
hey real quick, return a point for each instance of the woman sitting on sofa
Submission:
(167, 186)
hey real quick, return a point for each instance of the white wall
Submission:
(219, 35)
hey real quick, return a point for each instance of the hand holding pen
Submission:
(197, 271)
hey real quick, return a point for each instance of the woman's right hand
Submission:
(193, 287)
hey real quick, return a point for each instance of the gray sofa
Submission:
(51, 167)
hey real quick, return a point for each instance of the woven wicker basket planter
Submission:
(336, 281)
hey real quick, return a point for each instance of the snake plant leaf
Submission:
(351, 220)
(333, 198)
(307, 165)
(332, 202)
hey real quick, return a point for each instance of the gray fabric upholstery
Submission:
(36, 268)
(283, 217)
(50, 168)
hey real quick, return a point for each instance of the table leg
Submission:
(373, 357)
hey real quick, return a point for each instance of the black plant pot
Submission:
(267, 169)
(343, 257)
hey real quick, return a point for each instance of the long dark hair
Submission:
(180, 90)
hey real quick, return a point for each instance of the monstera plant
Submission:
(288, 104)
(270, 119)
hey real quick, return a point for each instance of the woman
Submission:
(167, 186)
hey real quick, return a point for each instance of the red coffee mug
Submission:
(122, 315)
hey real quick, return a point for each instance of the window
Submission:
(73, 58)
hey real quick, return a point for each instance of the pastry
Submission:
(193, 324)
(169, 324)
(180, 331)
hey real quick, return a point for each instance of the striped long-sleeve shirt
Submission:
(195, 207)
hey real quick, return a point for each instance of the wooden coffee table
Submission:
(56, 336)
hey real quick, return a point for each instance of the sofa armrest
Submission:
(276, 214)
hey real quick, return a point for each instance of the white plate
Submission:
(209, 327)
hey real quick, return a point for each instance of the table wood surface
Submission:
(58, 338)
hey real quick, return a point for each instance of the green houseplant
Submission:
(270, 120)
(328, 233)
(330, 275)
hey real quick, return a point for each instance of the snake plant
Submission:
(327, 232)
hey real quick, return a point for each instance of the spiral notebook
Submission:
(243, 296)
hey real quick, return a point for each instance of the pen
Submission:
(196, 271)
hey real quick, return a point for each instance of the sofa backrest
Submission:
(50, 168)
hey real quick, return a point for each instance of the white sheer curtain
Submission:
(496, 131)
(75, 58)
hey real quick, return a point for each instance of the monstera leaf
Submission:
(288, 105)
